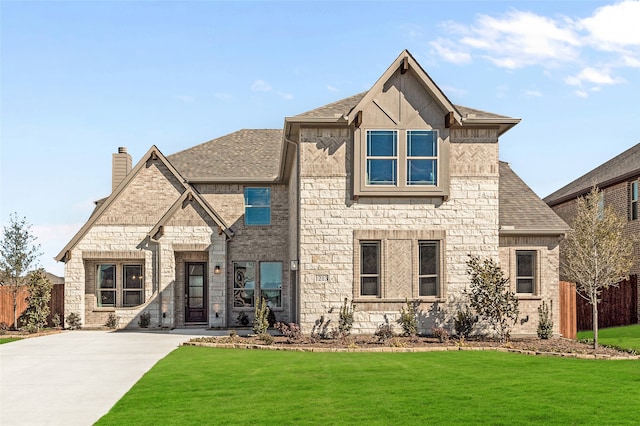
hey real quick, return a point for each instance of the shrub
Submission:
(490, 296)
(145, 320)
(74, 321)
(409, 319)
(261, 317)
(4, 327)
(345, 321)
(39, 295)
(242, 319)
(384, 331)
(266, 338)
(320, 329)
(291, 331)
(463, 322)
(55, 319)
(545, 324)
(440, 333)
(112, 321)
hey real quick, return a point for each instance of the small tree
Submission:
(345, 321)
(596, 253)
(490, 296)
(261, 317)
(39, 296)
(17, 255)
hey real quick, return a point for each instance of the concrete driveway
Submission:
(74, 378)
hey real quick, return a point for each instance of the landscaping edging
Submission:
(419, 349)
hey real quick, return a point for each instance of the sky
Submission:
(78, 79)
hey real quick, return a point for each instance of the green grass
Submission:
(196, 385)
(8, 339)
(625, 338)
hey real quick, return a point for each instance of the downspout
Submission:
(298, 223)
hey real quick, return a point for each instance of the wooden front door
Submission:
(195, 297)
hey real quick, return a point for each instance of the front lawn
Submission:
(8, 339)
(625, 338)
(197, 385)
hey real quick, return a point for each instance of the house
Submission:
(618, 179)
(378, 198)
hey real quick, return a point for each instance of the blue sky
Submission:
(81, 78)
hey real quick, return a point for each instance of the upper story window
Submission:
(400, 163)
(422, 157)
(633, 207)
(257, 206)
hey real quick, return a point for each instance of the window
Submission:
(370, 268)
(132, 287)
(244, 284)
(245, 291)
(271, 283)
(382, 157)
(257, 206)
(634, 201)
(525, 271)
(119, 285)
(395, 162)
(422, 157)
(429, 281)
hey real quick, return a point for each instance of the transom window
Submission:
(245, 291)
(428, 269)
(525, 271)
(119, 286)
(633, 208)
(416, 159)
(257, 206)
(370, 268)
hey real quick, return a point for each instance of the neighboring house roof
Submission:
(248, 155)
(522, 211)
(616, 170)
(54, 279)
(102, 205)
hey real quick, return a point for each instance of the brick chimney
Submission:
(120, 166)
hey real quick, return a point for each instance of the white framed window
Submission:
(633, 203)
(119, 285)
(526, 267)
(398, 162)
(428, 268)
(370, 268)
(257, 206)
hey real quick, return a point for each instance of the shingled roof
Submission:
(346, 105)
(245, 155)
(613, 171)
(522, 211)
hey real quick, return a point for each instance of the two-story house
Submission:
(619, 181)
(378, 198)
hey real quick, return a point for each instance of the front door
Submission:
(196, 292)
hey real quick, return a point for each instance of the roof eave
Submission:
(196, 180)
(539, 232)
(585, 190)
(503, 124)
(341, 119)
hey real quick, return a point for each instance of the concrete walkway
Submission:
(74, 378)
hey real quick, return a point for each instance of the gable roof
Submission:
(248, 155)
(522, 211)
(617, 169)
(343, 110)
(152, 153)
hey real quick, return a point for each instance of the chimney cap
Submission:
(122, 150)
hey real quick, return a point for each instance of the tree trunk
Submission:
(15, 309)
(595, 323)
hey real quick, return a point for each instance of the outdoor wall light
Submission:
(217, 270)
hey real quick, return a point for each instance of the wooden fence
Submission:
(56, 304)
(567, 299)
(618, 306)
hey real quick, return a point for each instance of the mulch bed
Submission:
(532, 346)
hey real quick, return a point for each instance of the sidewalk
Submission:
(74, 378)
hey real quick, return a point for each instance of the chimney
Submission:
(120, 166)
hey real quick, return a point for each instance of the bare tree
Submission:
(17, 255)
(596, 253)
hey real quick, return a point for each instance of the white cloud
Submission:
(286, 96)
(450, 53)
(332, 88)
(261, 86)
(223, 96)
(614, 27)
(581, 93)
(592, 76)
(185, 98)
(533, 93)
